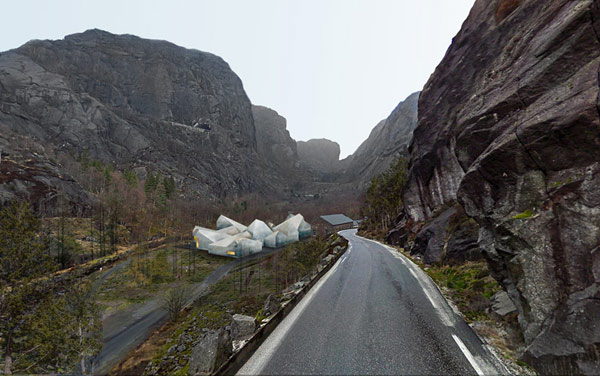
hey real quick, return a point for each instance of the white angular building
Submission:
(292, 229)
(224, 222)
(236, 240)
(259, 230)
(204, 237)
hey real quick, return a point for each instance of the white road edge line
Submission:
(428, 286)
(263, 354)
(445, 316)
(468, 355)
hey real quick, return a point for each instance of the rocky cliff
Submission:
(131, 102)
(274, 141)
(388, 140)
(509, 127)
(320, 155)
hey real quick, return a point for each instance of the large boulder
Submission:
(502, 307)
(271, 305)
(242, 327)
(431, 240)
(449, 237)
(209, 352)
(509, 125)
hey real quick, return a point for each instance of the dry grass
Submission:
(135, 362)
(79, 229)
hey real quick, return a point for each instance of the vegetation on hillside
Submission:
(383, 199)
(127, 211)
(150, 274)
(45, 327)
(243, 291)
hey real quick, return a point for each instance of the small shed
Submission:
(336, 222)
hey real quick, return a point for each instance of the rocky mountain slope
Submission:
(128, 101)
(273, 140)
(389, 139)
(321, 155)
(509, 126)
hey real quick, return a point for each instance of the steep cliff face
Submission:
(134, 102)
(273, 140)
(509, 125)
(389, 139)
(28, 173)
(320, 155)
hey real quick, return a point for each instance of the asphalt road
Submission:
(374, 312)
(125, 330)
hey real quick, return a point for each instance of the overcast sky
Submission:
(332, 68)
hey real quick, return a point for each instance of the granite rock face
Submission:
(388, 140)
(431, 240)
(509, 126)
(134, 102)
(274, 141)
(449, 238)
(320, 155)
(27, 173)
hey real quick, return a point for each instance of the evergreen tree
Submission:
(130, 178)
(107, 175)
(383, 199)
(169, 185)
(23, 257)
(85, 160)
(151, 183)
(65, 331)
(86, 327)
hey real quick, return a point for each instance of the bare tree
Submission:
(174, 301)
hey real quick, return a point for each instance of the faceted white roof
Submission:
(223, 222)
(259, 230)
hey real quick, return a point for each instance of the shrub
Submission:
(174, 301)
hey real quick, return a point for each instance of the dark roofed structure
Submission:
(336, 222)
(336, 219)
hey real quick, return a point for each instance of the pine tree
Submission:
(86, 327)
(150, 183)
(65, 331)
(130, 178)
(23, 257)
(383, 199)
(170, 186)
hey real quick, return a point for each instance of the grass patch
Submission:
(526, 214)
(470, 286)
(156, 271)
(244, 290)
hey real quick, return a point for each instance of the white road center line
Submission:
(468, 355)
